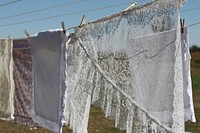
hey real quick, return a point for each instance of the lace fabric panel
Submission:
(178, 114)
(80, 74)
(141, 117)
(152, 73)
(109, 36)
(151, 18)
(6, 80)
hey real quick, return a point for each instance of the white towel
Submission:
(48, 57)
(187, 83)
(6, 79)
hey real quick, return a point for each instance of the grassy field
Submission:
(99, 124)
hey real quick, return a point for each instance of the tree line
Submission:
(194, 48)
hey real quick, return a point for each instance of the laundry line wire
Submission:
(8, 3)
(67, 14)
(194, 24)
(61, 5)
(42, 9)
(190, 9)
(73, 13)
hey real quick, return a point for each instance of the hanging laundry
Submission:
(187, 83)
(152, 60)
(108, 37)
(23, 82)
(142, 116)
(80, 74)
(6, 79)
(48, 57)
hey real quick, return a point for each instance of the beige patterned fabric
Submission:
(23, 82)
(6, 79)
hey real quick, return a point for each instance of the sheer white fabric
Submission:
(152, 60)
(6, 79)
(187, 83)
(105, 40)
(80, 73)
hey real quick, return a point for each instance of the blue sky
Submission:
(16, 31)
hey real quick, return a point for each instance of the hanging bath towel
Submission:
(187, 83)
(48, 56)
(6, 79)
(23, 82)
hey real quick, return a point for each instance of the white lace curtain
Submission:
(102, 45)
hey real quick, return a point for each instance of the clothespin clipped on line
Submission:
(131, 6)
(182, 24)
(63, 27)
(83, 21)
(27, 34)
(68, 41)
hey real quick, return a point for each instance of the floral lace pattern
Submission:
(105, 41)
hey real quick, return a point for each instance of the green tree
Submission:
(194, 48)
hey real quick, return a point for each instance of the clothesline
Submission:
(191, 25)
(8, 3)
(67, 14)
(42, 9)
(191, 9)
(72, 13)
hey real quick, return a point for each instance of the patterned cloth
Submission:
(48, 54)
(23, 82)
(6, 79)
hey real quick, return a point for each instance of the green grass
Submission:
(195, 65)
(196, 83)
(97, 124)
(195, 127)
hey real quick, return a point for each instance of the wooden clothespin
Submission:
(27, 34)
(63, 27)
(182, 24)
(131, 6)
(69, 40)
(83, 21)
